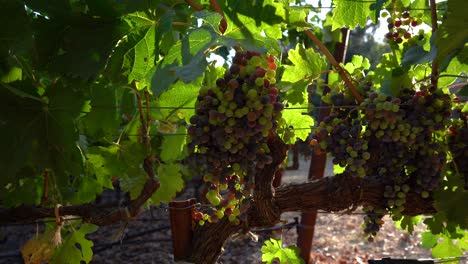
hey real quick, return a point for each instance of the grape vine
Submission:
(131, 93)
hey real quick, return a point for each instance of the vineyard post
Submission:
(318, 161)
(181, 215)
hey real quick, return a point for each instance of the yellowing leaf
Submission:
(38, 249)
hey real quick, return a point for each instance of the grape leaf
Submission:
(307, 65)
(337, 169)
(415, 55)
(455, 67)
(446, 249)
(185, 60)
(104, 163)
(172, 147)
(17, 37)
(447, 201)
(273, 249)
(84, 41)
(69, 253)
(104, 119)
(351, 13)
(132, 179)
(465, 108)
(297, 94)
(180, 97)
(13, 74)
(171, 181)
(25, 190)
(297, 117)
(248, 19)
(210, 18)
(47, 137)
(428, 239)
(453, 32)
(408, 223)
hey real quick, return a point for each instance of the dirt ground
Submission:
(337, 238)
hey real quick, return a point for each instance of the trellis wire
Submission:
(164, 208)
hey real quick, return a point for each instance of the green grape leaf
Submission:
(27, 190)
(248, 19)
(408, 223)
(446, 249)
(85, 42)
(13, 74)
(463, 241)
(337, 169)
(69, 253)
(133, 178)
(299, 119)
(307, 63)
(447, 201)
(297, 94)
(428, 239)
(48, 134)
(105, 163)
(136, 54)
(172, 147)
(185, 60)
(103, 120)
(171, 181)
(465, 108)
(17, 37)
(415, 55)
(210, 18)
(87, 190)
(358, 63)
(297, 16)
(455, 67)
(273, 249)
(179, 98)
(351, 13)
(453, 32)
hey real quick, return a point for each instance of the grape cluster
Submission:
(401, 27)
(229, 132)
(457, 139)
(393, 139)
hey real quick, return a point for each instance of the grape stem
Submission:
(335, 64)
(435, 66)
(45, 188)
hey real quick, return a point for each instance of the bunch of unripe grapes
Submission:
(401, 27)
(392, 139)
(229, 132)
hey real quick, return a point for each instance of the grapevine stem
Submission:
(144, 122)
(335, 64)
(45, 188)
(435, 66)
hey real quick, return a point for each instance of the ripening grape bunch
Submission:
(397, 140)
(457, 139)
(229, 132)
(402, 27)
